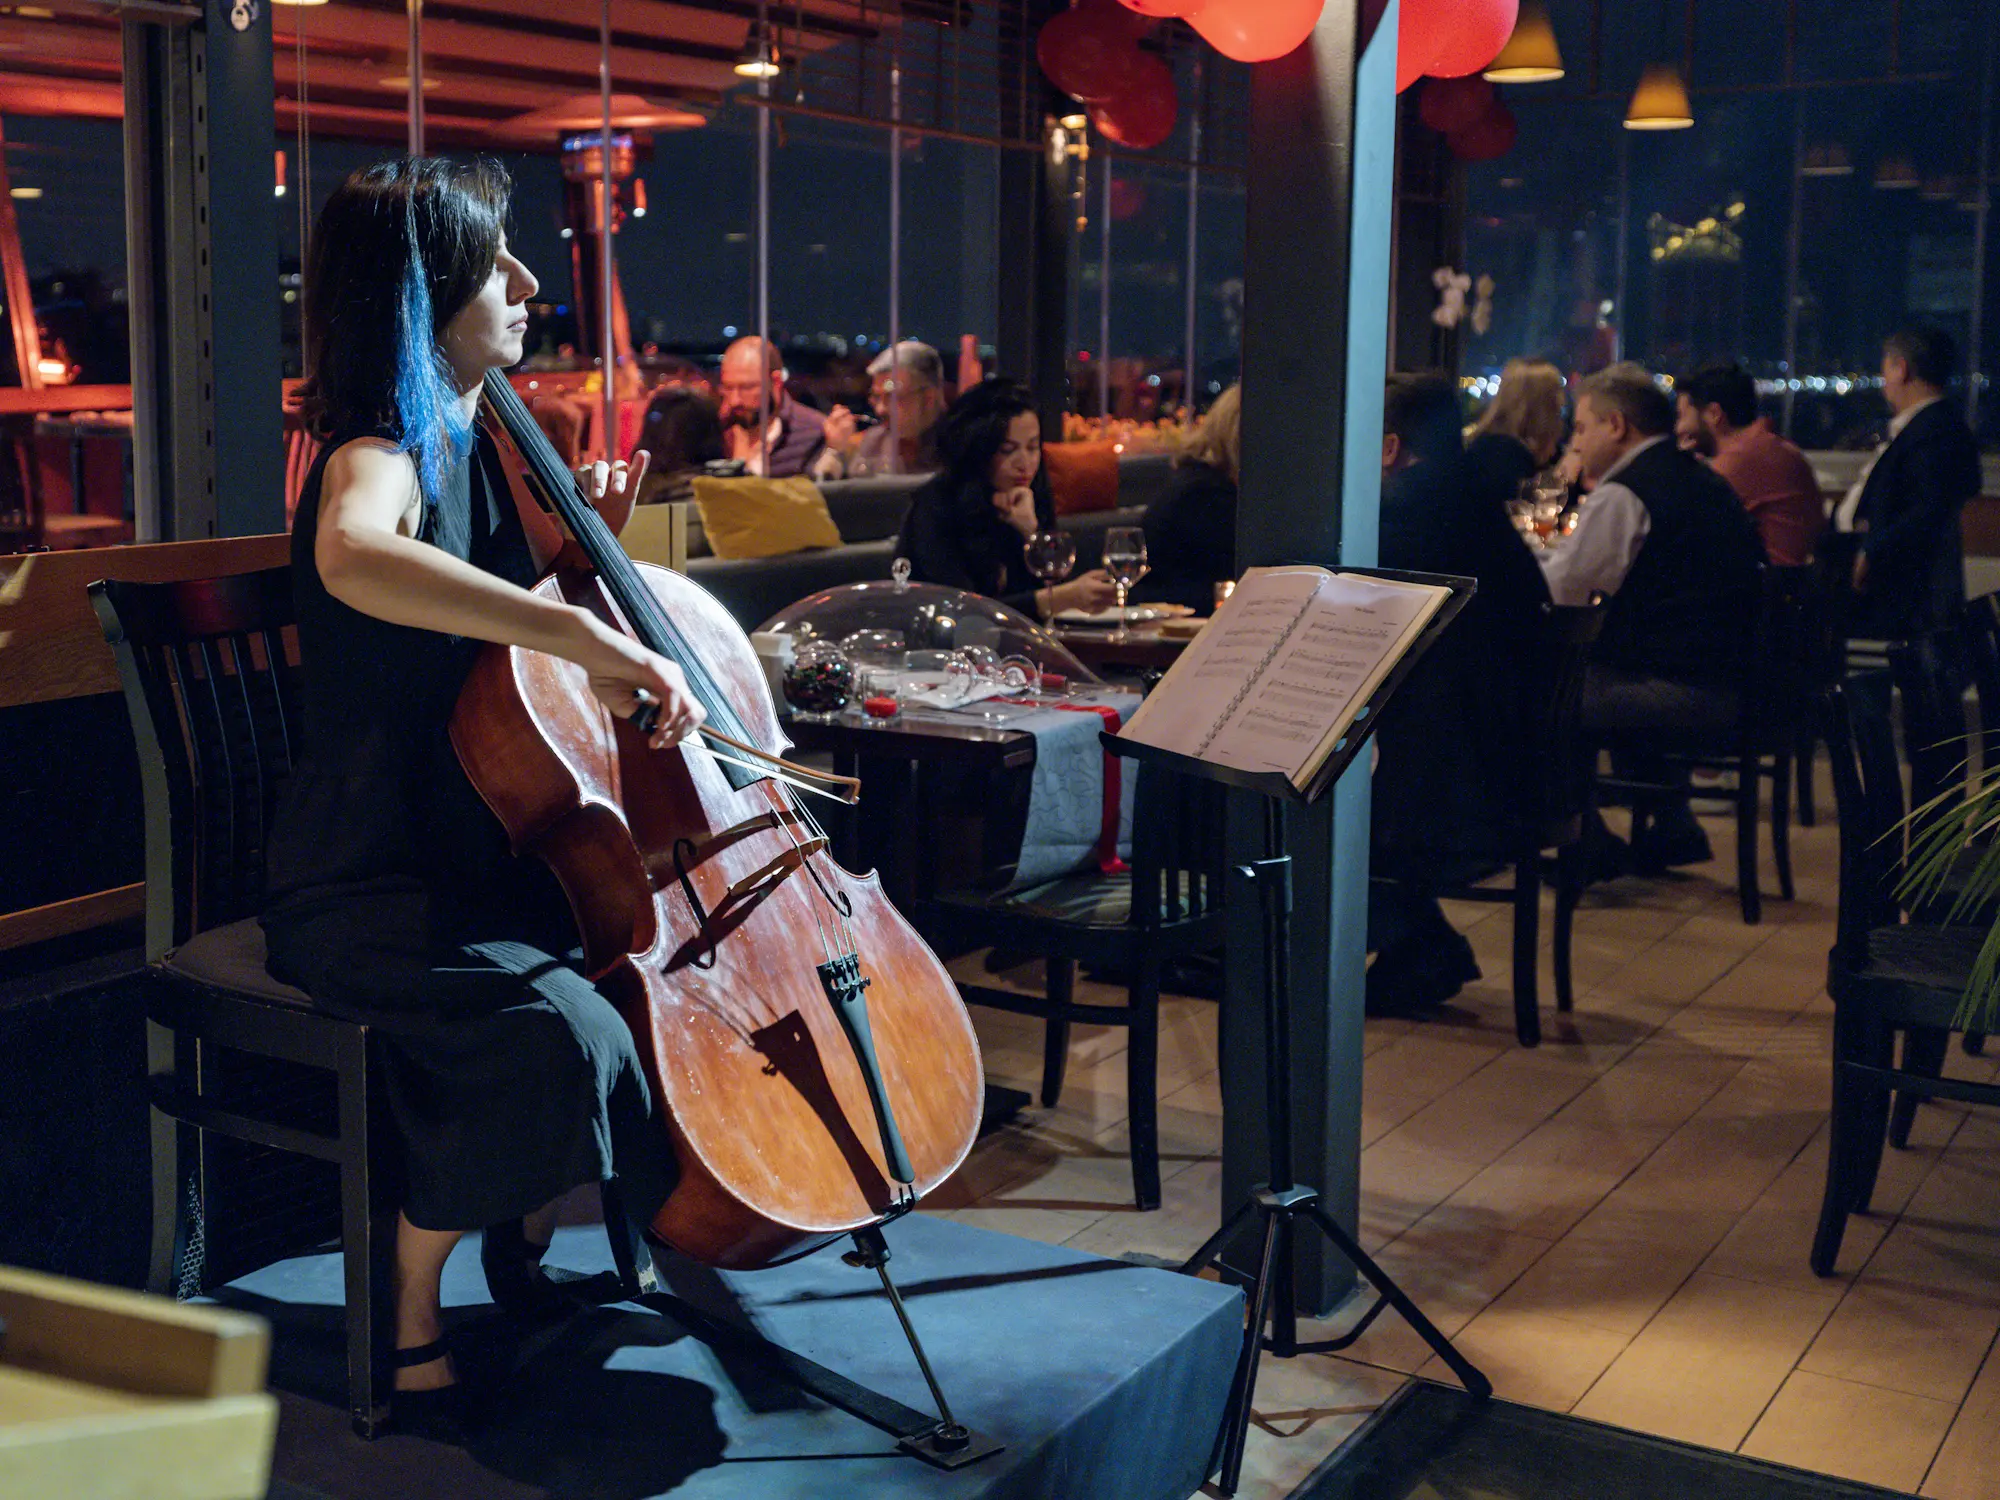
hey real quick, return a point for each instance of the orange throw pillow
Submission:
(1082, 476)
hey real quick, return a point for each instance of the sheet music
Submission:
(1224, 658)
(1351, 632)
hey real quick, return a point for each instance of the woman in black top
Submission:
(1191, 527)
(969, 524)
(391, 894)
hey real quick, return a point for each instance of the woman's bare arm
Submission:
(369, 559)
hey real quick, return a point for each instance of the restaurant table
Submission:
(950, 799)
(1145, 647)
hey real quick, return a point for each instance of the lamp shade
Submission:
(1895, 172)
(1826, 161)
(586, 112)
(1531, 54)
(1660, 102)
(759, 55)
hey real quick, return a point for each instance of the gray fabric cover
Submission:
(231, 957)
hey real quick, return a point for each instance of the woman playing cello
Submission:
(392, 894)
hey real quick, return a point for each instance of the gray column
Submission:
(208, 429)
(1036, 225)
(1315, 349)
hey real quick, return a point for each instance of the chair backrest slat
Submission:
(1177, 846)
(1868, 795)
(205, 668)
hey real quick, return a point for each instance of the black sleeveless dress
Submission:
(392, 897)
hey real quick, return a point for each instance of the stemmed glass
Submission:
(1125, 561)
(1050, 556)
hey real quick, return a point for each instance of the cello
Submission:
(815, 1069)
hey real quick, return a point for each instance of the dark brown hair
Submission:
(360, 295)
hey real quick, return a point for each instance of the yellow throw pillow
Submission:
(763, 517)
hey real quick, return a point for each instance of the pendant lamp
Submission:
(1826, 161)
(1660, 102)
(1531, 54)
(759, 57)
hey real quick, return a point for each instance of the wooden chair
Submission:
(1884, 975)
(234, 1055)
(1775, 701)
(1167, 907)
(1555, 796)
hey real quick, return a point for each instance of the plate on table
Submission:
(1136, 614)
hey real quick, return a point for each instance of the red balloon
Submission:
(1128, 199)
(1418, 38)
(1449, 104)
(1478, 29)
(1256, 30)
(1491, 136)
(1087, 52)
(1158, 9)
(1142, 114)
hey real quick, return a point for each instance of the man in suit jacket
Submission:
(1909, 574)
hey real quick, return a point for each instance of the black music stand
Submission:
(1282, 1202)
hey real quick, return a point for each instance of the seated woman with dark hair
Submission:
(969, 525)
(1191, 527)
(682, 435)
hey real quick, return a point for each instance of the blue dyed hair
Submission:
(433, 427)
(398, 251)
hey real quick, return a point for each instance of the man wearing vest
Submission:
(1666, 539)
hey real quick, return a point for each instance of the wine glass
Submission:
(1050, 556)
(1125, 561)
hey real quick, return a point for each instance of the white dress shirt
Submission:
(1850, 503)
(1610, 529)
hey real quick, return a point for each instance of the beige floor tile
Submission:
(1402, 1171)
(1616, 1269)
(1781, 983)
(1551, 1178)
(1190, 1211)
(1091, 1180)
(1531, 1358)
(1382, 1111)
(1967, 1467)
(1918, 1339)
(1674, 969)
(1652, 1089)
(1451, 1276)
(1426, 1063)
(1051, 1226)
(1709, 1362)
(1771, 1245)
(1720, 1161)
(1852, 1431)
(1305, 1408)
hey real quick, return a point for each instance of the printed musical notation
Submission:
(1288, 662)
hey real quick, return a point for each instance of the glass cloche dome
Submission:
(880, 619)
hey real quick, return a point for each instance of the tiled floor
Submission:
(1615, 1224)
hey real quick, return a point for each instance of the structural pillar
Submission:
(1315, 350)
(208, 438)
(1036, 223)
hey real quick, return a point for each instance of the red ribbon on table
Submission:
(1106, 852)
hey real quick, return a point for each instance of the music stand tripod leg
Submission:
(1469, 1374)
(1281, 1201)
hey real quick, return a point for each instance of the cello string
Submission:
(642, 608)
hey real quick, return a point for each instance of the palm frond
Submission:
(1953, 846)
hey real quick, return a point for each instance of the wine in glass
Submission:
(1125, 561)
(1050, 556)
